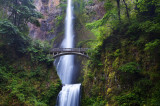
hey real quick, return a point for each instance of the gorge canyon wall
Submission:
(50, 10)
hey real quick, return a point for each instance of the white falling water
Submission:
(65, 65)
(70, 93)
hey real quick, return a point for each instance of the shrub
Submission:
(3, 77)
(11, 35)
(128, 74)
(129, 99)
(39, 52)
(152, 46)
(131, 67)
(155, 97)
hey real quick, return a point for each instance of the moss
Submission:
(116, 62)
(109, 90)
(117, 53)
(131, 67)
(59, 20)
(123, 74)
(111, 75)
(51, 31)
(125, 64)
(152, 46)
(26, 84)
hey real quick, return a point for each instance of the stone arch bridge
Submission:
(69, 51)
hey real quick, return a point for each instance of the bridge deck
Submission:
(69, 49)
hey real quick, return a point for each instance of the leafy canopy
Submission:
(21, 12)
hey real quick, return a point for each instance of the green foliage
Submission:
(39, 52)
(59, 20)
(21, 12)
(152, 46)
(147, 7)
(25, 64)
(90, 75)
(90, 101)
(133, 29)
(108, 5)
(154, 101)
(37, 73)
(51, 93)
(11, 35)
(125, 48)
(115, 64)
(63, 6)
(83, 43)
(101, 22)
(95, 57)
(3, 77)
(79, 6)
(131, 67)
(94, 25)
(129, 73)
(99, 103)
(149, 26)
(23, 87)
(128, 99)
(22, 91)
(3, 14)
(138, 95)
(117, 53)
(90, 2)
(142, 86)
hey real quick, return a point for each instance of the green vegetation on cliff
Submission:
(124, 68)
(27, 74)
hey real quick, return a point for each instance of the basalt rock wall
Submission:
(50, 10)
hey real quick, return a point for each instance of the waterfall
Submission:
(65, 65)
(70, 93)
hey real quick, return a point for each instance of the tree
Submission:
(21, 12)
(148, 9)
(119, 11)
(127, 9)
(11, 35)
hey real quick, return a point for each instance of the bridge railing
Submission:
(69, 49)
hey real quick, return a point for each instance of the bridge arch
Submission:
(73, 53)
(70, 51)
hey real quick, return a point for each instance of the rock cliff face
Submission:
(50, 10)
(97, 7)
(87, 11)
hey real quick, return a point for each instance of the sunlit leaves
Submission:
(152, 46)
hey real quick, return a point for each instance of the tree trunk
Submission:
(15, 15)
(127, 10)
(119, 11)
